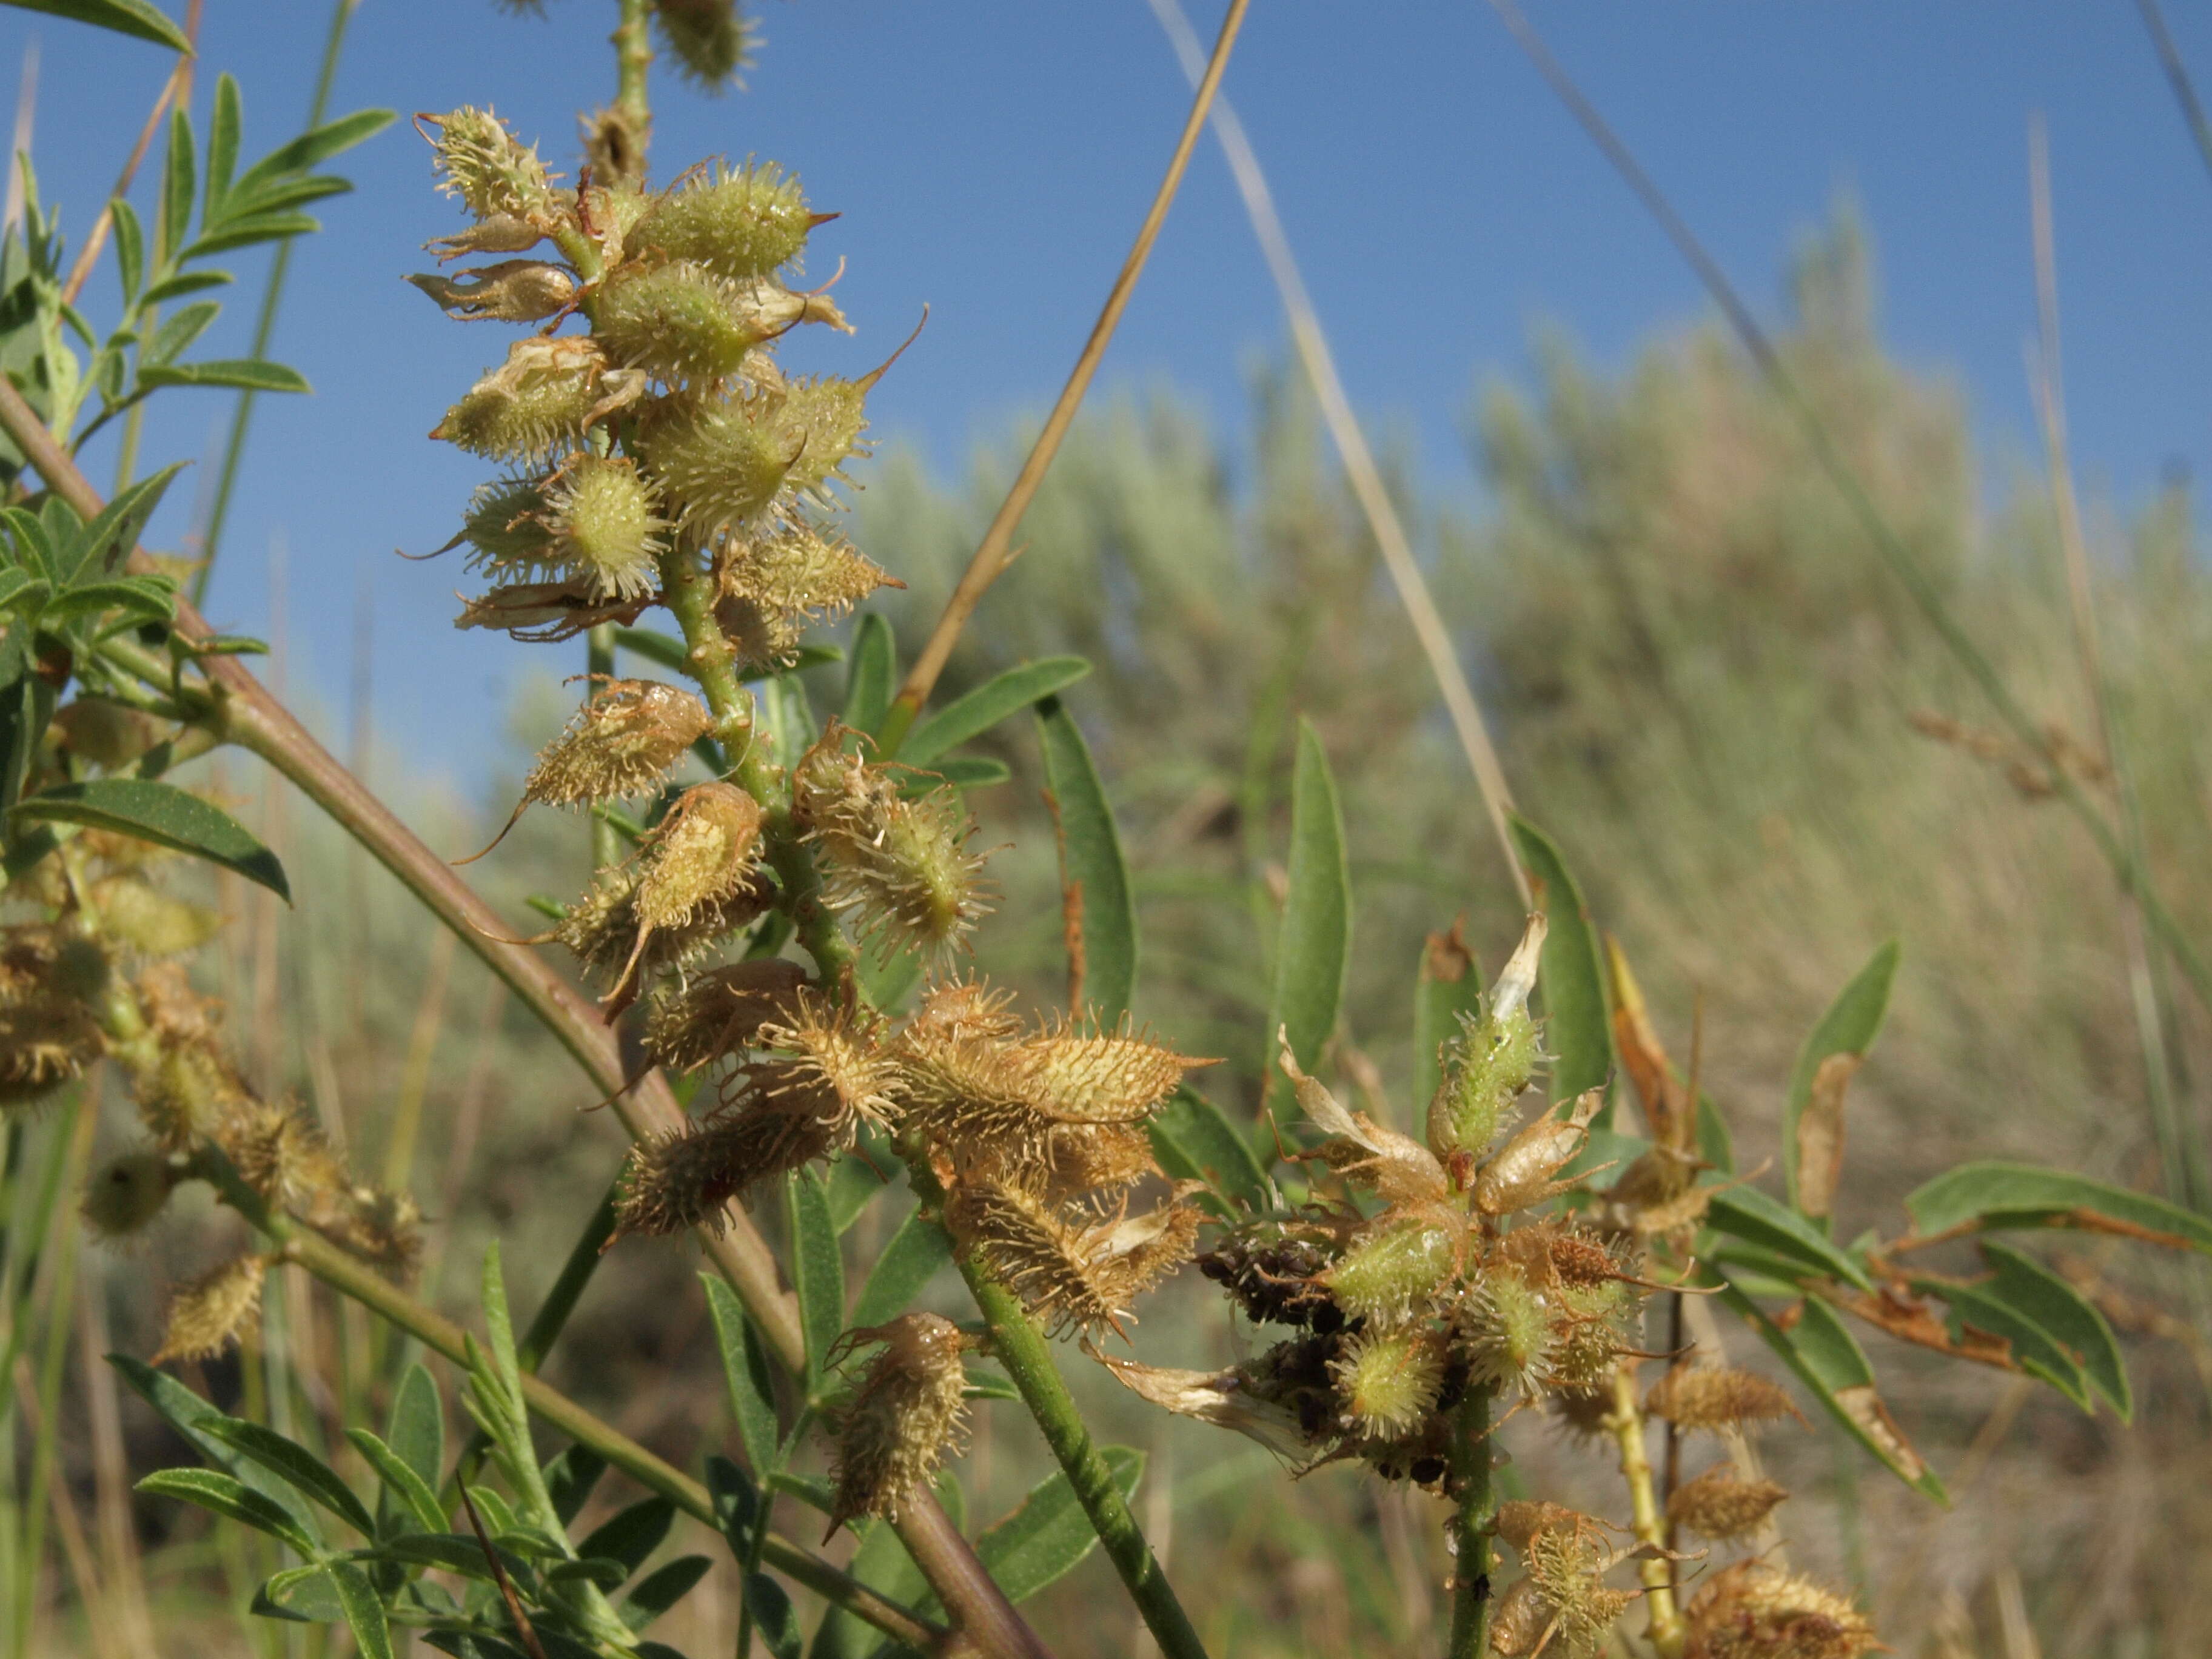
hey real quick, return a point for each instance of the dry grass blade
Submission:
(522, 1625)
(995, 552)
(96, 238)
(1344, 431)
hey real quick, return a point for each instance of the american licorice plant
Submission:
(779, 911)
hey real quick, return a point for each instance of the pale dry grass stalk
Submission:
(1351, 448)
(414, 1071)
(120, 1568)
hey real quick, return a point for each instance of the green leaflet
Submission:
(402, 1486)
(871, 673)
(1050, 1534)
(2026, 1285)
(1569, 975)
(1195, 1141)
(231, 1497)
(298, 1468)
(817, 1270)
(907, 1263)
(1828, 1360)
(148, 810)
(976, 712)
(137, 18)
(630, 1534)
(417, 1431)
(1848, 1027)
(744, 1367)
(662, 1588)
(1313, 944)
(1746, 1213)
(1992, 1196)
(1092, 866)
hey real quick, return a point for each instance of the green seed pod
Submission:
(820, 423)
(681, 322)
(504, 527)
(748, 222)
(149, 921)
(488, 168)
(1506, 1332)
(1588, 1332)
(705, 850)
(1388, 1381)
(621, 743)
(1391, 1271)
(1720, 1504)
(801, 570)
(717, 466)
(709, 40)
(1488, 1066)
(601, 518)
(123, 1197)
(899, 866)
(538, 401)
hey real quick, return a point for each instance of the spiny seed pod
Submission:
(505, 528)
(385, 1228)
(709, 39)
(149, 921)
(1566, 1564)
(1388, 1381)
(605, 526)
(719, 467)
(762, 643)
(621, 743)
(1505, 1331)
(187, 1091)
(126, 1195)
(1521, 1174)
(1720, 1505)
(1070, 1276)
(1591, 1329)
(801, 570)
(704, 851)
(1583, 1412)
(502, 232)
(711, 1016)
(958, 1010)
(484, 165)
(510, 291)
(680, 322)
(1754, 1611)
(820, 423)
(536, 402)
(214, 1310)
(1393, 1271)
(1084, 1159)
(43, 1042)
(1520, 1519)
(899, 868)
(832, 1062)
(1488, 1066)
(907, 1413)
(683, 1178)
(1552, 1252)
(603, 930)
(283, 1156)
(743, 223)
(1718, 1397)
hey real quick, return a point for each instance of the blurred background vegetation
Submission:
(1701, 684)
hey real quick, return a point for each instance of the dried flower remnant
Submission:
(907, 1413)
(714, 1015)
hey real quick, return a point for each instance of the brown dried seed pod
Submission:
(964, 1010)
(214, 1310)
(907, 1413)
(1754, 1610)
(1583, 1412)
(603, 930)
(283, 1155)
(833, 1060)
(1567, 1566)
(1520, 1519)
(1720, 1505)
(1521, 1618)
(1718, 1396)
(718, 1013)
(45, 1041)
(1070, 1275)
(682, 1178)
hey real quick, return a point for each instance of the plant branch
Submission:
(355, 1278)
(2177, 76)
(633, 43)
(1625, 1424)
(1472, 1598)
(994, 553)
(1358, 461)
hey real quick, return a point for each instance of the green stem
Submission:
(599, 666)
(633, 43)
(1472, 1525)
(354, 1278)
(265, 325)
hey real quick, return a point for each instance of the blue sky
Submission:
(993, 159)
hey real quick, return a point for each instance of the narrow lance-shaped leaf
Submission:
(773, 1618)
(178, 181)
(662, 1588)
(2072, 1320)
(231, 1497)
(130, 247)
(416, 1428)
(404, 1488)
(744, 1367)
(1050, 1534)
(1993, 1196)
(147, 809)
(1848, 1027)
(1828, 1360)
(976, 712)
(298, 1468)
(1747, 1214)
(137, 18)
(313, 148)
(244, 374)
(1569, 976)
(1195, 1141)
(630, 1534)
(2034, 1349)
(1103, 908)
(98, 549)
(223, 125)
(364, 1610)
(817, 1270)
(1313, 946)
(195, 1420)
(871, 673)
